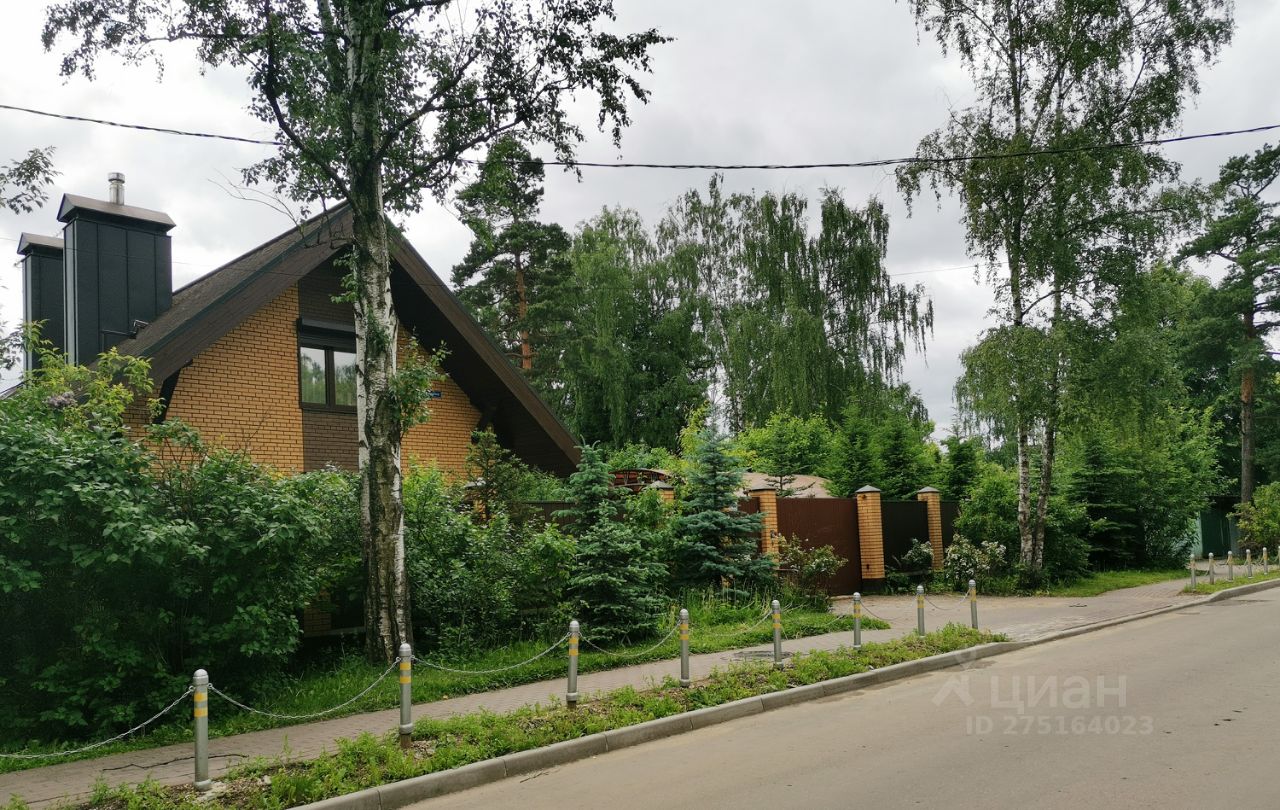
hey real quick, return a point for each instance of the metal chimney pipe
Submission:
(115, 183)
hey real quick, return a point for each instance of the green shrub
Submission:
(477, 582)
(965, 560)
(1260, 519)
(122, 571)
(807, 571)
(991, 516)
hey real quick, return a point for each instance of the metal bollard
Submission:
(777, 635)
(920, 609)
(1248, 563)
(857, 621)
(1266, 566)
(973, 604)
(200, 687)
(684, 649)
(1213, 569)
(1231, 568)
(571, 697)
(406, 696)
(1193, 571)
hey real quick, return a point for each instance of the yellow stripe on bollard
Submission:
(201, 712)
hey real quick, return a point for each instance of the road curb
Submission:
(406, 792)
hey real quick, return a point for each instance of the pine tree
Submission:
(716, 543)
(613, 587)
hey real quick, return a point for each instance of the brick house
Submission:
(257, 355)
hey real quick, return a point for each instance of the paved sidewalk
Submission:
(1018, 617)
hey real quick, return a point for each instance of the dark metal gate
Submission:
(831, 522)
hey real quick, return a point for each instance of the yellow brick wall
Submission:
(870, 535)
(445, 437)
(242, 392)
(933, 507)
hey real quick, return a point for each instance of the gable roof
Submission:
(208, 308)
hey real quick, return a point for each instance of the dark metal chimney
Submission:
(117, 266)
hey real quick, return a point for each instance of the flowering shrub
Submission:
(965, 560)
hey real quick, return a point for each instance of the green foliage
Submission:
(808, 570)
(986, 563)
(1238, 222)
(123, 571)
(882, 441)
(1064, 228)
(23, 182)
(613, 587)
(1259, 519)
(960, 466)
(475, 581)
(716, 544)
(633, 362)
(990, 517)
(515, 274)
(499, 483)
(786, 446)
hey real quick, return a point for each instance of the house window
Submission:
(326, 368)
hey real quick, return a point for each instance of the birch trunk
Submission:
(386, 603)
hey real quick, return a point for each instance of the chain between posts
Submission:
(645, 651)
(962, 598)
(340, 706)
(118, 737)
(443, 668)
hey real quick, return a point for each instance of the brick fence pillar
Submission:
(768, 519)
(870, 536)
(933, 505)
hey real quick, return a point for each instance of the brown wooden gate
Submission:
(826, 522)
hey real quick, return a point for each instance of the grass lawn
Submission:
(713, 628)
(1221, 582)
(449, 743)
(1102, 581)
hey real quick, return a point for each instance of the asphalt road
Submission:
(1180, 710)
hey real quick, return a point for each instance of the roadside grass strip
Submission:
(714, 630)
(443, 744)
(1221, 583)
(1101, 582)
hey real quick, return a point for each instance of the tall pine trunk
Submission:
(386, 603)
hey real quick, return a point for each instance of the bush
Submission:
(122, 571)
(474, 582)
(966, 560)
(991, 516)
(1260, 519)
(808, 570)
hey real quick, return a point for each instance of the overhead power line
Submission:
(720, 167)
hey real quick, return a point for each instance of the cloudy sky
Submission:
(745, 81)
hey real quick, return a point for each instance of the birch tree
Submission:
(379, 103)
(1063, 80)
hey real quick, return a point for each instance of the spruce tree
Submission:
(613, 587)
(716, 543)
